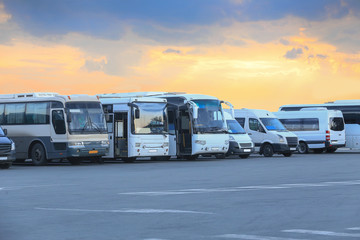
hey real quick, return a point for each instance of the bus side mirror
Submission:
(5, 131)
(137, 113)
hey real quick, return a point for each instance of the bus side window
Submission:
(171, 121)
(58, 121)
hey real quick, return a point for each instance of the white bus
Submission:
(351, 112)
(46, 126)
(196, 125)
(137, 127)
(267, 132)
(318, 129)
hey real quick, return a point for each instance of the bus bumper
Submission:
(283, 148)
(88, 151)
(235, 149)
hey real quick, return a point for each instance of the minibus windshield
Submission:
(86, 117)
(273, 124)
(210, 118)
(152, 118)
(234, 127)
(337, 124)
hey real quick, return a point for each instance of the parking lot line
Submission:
(254, 237)
(324, 233)
(124, 210)
(244, 188)
(354, 229)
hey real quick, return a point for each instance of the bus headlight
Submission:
(76, 144)
(12, 146)
(105, 143)
(231, 138)
(281, 139)
(202, 142)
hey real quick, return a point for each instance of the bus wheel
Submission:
(220, 156)
(244, 156)
(5, 165)
(74, 161)
(267, 150)
(129, 159)
(38, 155)
(302, 148)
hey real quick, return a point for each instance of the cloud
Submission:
(293, 53)
(4, 17)
(170, 50)
(321, 56)
(284, 42)
(92, 65)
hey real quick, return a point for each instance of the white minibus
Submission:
(240, 142)
(137, 127)
(46, 126)
(267, 132)
(351, 112)
(318, 129)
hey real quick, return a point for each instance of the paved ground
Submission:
(314, 196)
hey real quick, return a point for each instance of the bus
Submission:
(47, 126)
(196, 125)
(137, 127)
(318, 129)
(351, 112)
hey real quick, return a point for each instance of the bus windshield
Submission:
(152, 118)
(210, 118)
(234, 127)
(86, 117)
(273, 124)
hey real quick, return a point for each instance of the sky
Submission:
(254, 53)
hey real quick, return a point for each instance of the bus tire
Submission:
(267, 150)
(191, 157)
(75, 161)
(38, 155)
(5, 165)
(302, 148)
(243, 156)
(129, 159)
(288, 154)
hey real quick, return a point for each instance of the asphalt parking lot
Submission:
(313, 196)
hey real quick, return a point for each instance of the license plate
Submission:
(3, 158)
(247, 150)
(93, 151)
(153, 150)
(215, 149)
(292, 149)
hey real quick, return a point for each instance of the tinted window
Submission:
(171, 120)
(351, 118)
(241, 121)
(15, 113)
(57, 105)
(301, 124)
(234, 127)
(272, 124)
(337, 124)
(254, 124)
(58, 121)
(2, 106)
(37, 113)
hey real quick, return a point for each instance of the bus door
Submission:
(58, 135)
(184, 133)
(121, 134)
(110, 128)
(172, 132)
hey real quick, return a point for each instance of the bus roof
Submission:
(45, 96)
(117, 100)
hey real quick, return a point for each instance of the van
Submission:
(318, 129)
(267, 132)
(7, 150)
(239, 141)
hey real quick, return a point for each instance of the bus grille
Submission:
(292, 141)
(245, 145)
(5, 148)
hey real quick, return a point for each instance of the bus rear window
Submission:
(337, 124)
